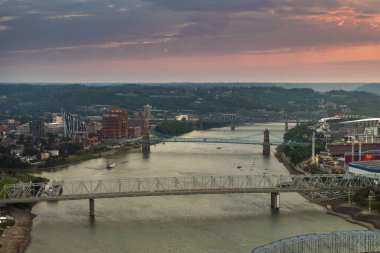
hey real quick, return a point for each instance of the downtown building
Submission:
(36, 128)
(115, 124)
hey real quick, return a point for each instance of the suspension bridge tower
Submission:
(145, 145)
(266, 144)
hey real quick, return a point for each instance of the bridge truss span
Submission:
(137, 187)
(335, 242)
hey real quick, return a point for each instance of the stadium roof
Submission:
(361, 121)
(370, 166)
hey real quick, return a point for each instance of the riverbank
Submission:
(351, 213)
(95, 156)
(293, 170)
(356, 215)
(16, 239)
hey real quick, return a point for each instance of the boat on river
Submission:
(110, 165)
(54, 189)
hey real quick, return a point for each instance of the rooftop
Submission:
(361, 120)
(372, 166)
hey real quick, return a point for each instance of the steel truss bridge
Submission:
(159, 186)
(335, 242)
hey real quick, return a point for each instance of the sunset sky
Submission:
(190, 41)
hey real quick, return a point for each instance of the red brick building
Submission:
(115, 124)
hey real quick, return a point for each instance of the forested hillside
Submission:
(32, 100)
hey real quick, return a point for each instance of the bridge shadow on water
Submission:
(275, 212)
(145, 155)
(92, 222)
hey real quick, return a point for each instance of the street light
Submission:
(349, 194)
(371, 196)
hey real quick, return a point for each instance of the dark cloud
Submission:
(77, 26)
(78, 29)
(214, 5)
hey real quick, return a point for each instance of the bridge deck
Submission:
(138, 187)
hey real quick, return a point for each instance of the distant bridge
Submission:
(160, 186)
(212, 140)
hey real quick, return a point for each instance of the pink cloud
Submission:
(342, 16)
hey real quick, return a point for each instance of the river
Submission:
(187, 224)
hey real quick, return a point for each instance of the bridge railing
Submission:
(185, 185)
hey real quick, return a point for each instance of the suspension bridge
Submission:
(153, 137)
(161, 186)
(158, 138)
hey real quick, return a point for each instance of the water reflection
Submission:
(197, 223)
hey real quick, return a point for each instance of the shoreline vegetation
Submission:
(176, 127)
(82, 158)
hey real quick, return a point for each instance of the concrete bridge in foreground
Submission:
(162, 186)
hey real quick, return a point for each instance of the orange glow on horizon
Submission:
(348, 64)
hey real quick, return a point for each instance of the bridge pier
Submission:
(145, 145)
(266, 144)
(92, 207)
(286, 125)
(275, 200)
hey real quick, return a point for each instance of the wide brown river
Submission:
(187, 224)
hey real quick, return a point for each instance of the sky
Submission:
(190, 41)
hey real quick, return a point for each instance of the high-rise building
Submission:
(147, 112)
(115, 124)
(36, 128)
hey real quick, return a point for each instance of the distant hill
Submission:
(321, 87)
(371, 88)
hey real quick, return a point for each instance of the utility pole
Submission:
(313, 147)
(371, 196)
(349, 194)
(353, 150)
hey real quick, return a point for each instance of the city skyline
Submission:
(197, 41)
